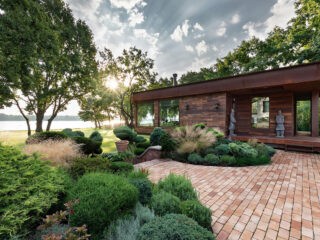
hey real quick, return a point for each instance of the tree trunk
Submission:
(50, 120)
(24, 116)
(39, 121)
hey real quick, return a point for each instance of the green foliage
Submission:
(119, 157)
(125, 133)
(239, 149)
(246, 161)
(121, 167)
(178, 186)
(201, 214)
(222, 149)
(127, 228)
(103, 198)
(139, 151)
(138, 174)
(211, 159)
(57, 229)
(70, 133)
(264, 150)
(228, 160)
(96, 136)
(80, 166)
(44, 136)
(155, 136)
(167, 143)
(163, 203)
(48, 74)
(173, 227)
(139, 139)
(195, 158)
(144, 187)
(143, 145)
(29, 187)
(88, 146)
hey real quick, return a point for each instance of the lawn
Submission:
(18, 138)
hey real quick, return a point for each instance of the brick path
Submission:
(278, 201)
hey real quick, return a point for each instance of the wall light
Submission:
(187, 107)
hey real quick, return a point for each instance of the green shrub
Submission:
(167, 143)
(125, 133)
(265, 150)
(96, 136)
(212, 159)
(80, 166)
(139, 151)
(163, 203)
(199, 125)
(72, 134)
(181, 157)
(259, 160)
(139, 139)
(119, 157)
(103, 198)
(121, 167)
(44, 136)
(227, 160)
(88, 146)
(239, 149)
(56, 229)
(210, 150)
(222, 149)
(178, 186)
(155, 136)
(173, 227)
(143, 145)
(144, 187)
(195, 158)
(29, 187)
(201, 214)
(127, 228)
(138, 174)
(217, 133)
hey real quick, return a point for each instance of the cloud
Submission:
(235, 19)
(135, 17)
(214, 48)
(189, 48)
(127, 4)
(148, 41)
(282, 11)
(201, 48)
(180, 31)
(222, 29)
(197, 26)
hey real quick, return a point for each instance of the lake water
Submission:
(21, 125)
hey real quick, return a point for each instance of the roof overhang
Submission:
(282, 77)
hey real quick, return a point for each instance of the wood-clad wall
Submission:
(209, 109)
(283, 101)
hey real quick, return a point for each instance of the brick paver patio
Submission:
(278, 201)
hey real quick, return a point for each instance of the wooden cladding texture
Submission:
(209, 109)
(279, 101)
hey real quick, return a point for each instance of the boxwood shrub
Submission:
(195, 210)
(121, 167)
(173, 227)
(144, 187)
(44, 136)
(88, 146)
(103, 198)
(29, 187)
(163, 203)
(178, 186)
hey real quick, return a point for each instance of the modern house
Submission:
(256, 99)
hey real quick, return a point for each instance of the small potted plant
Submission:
(126, 135)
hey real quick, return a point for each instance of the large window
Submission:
(169, 113)
(260, 112)
(145, 114)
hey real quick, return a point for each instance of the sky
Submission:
(180, 35)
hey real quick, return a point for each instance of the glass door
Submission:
(303, 115)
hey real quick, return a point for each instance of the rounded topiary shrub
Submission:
(173, 227)
(212, 159)
(195, 158)
(195, 210)
(96, 136)
(222, 149)
(163, 203)
(155, 136)
(102, 199)
(88, 146)
(44, 136)
(82, 165)
(178, 186)
(227, 160)
(144, 187)
(121, 167)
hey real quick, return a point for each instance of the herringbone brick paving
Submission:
(276, 201)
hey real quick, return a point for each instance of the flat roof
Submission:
(297, 74)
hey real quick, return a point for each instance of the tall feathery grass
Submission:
(57, 152)
(191, 139)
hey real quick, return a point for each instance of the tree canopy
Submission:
(47, 57)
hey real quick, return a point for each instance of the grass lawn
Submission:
(18, 138)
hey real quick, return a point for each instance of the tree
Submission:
(160, 83)
(133, 71)
(202, 75)
(48, 57)
(97, 107)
